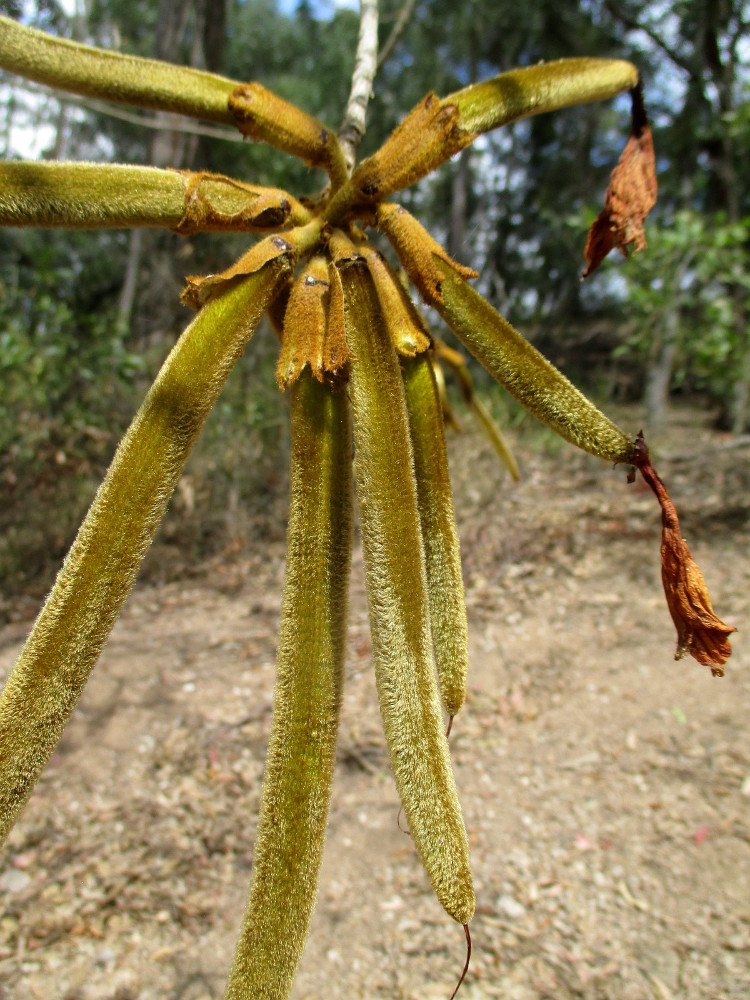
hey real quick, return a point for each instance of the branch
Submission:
(396, 31)
(631, 24)
(365, 66)
(177, 124)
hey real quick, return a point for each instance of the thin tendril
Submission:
(466, 965)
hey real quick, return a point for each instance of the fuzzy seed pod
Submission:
(305, 324)
(101, 566)
(301, 751)
(408, 330)
(525, 373)
(397, 598)
(445, 589)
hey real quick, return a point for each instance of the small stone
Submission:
(14, 880)
(511, 907)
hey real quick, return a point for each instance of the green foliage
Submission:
(64, 365)
(696, 269)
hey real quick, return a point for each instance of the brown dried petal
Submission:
(630, 196)
(699, 631)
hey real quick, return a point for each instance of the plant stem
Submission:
(365, 66)
(396, 31)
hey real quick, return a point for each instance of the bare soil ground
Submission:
(606, 788)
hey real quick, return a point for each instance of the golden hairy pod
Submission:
(124, 79)
(262, 115)
(301, 750)
(397, 598)
(417, 251)
(527, 374)
(535, 90)
(305, 322)
(507, 356)
(445, 589)
(408, 331)
(100, 568)
(438, 128)
(97, 196)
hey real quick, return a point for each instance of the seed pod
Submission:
(466, 384)
(526, 373)
(305, 324)
(263, 116)
(301, 751)
(397, 598)
(538, 89)
(101, 566)
(408, 330)
(501, 349)
(445, 589)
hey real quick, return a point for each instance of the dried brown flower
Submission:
(699, 631)
(630, 196)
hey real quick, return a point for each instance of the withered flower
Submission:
(357, 359)
(630, 196)
(699, 631)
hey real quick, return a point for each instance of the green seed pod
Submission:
(100, 568)
(445, 589)
(526, 373)
(301, 751)
(96, 196)
(397, 598)
(124, 79)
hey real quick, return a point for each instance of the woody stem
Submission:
(365, 65)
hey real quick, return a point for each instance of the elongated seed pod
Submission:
(436, 129)
(124, 79)
(300, 759)
(397, 598)
(100, 568)
(526, 373)
(96, 195)
(535, 90)
(445, 589)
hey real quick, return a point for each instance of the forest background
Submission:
(87, 318)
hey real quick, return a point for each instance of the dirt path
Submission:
(606, 789)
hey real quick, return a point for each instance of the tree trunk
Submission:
(168, 148)
(130, 282)
(659, 376)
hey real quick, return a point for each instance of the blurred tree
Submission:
(682, 296)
